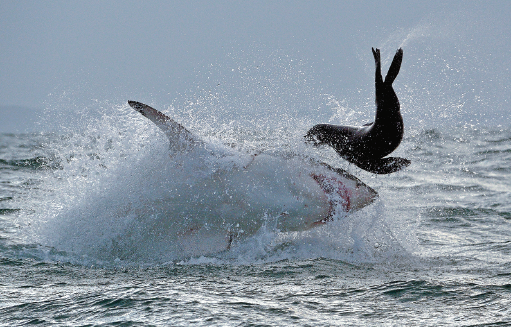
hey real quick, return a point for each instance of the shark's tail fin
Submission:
(394, 67)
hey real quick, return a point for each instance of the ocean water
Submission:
(433, 250)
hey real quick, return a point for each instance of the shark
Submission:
(225, 195)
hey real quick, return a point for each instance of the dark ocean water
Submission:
(434, 250)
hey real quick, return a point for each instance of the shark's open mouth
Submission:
(339, 196)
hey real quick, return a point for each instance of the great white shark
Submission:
(234, 194)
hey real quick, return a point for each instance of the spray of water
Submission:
(108, 200)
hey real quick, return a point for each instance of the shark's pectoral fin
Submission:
(384, 165)
(180, 138)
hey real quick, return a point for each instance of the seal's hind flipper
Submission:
(384, 165)
(394, 67)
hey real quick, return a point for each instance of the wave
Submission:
(32, 163)
(103, 189)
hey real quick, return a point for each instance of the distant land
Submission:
(19, 119)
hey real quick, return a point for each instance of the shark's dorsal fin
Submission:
(180, 138)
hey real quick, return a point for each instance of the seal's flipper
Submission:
(384, 165)
(180, 138)
(378, 78)
(394, 67)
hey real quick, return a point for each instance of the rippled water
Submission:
(434, 250)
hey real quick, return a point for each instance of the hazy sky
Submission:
(456, 54)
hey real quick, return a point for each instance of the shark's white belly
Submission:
(268, 190)
(229, 204)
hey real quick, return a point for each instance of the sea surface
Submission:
(433, 250)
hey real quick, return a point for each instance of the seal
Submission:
(367, 145)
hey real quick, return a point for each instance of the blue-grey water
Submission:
(434, 250)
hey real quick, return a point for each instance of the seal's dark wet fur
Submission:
(366, 146)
